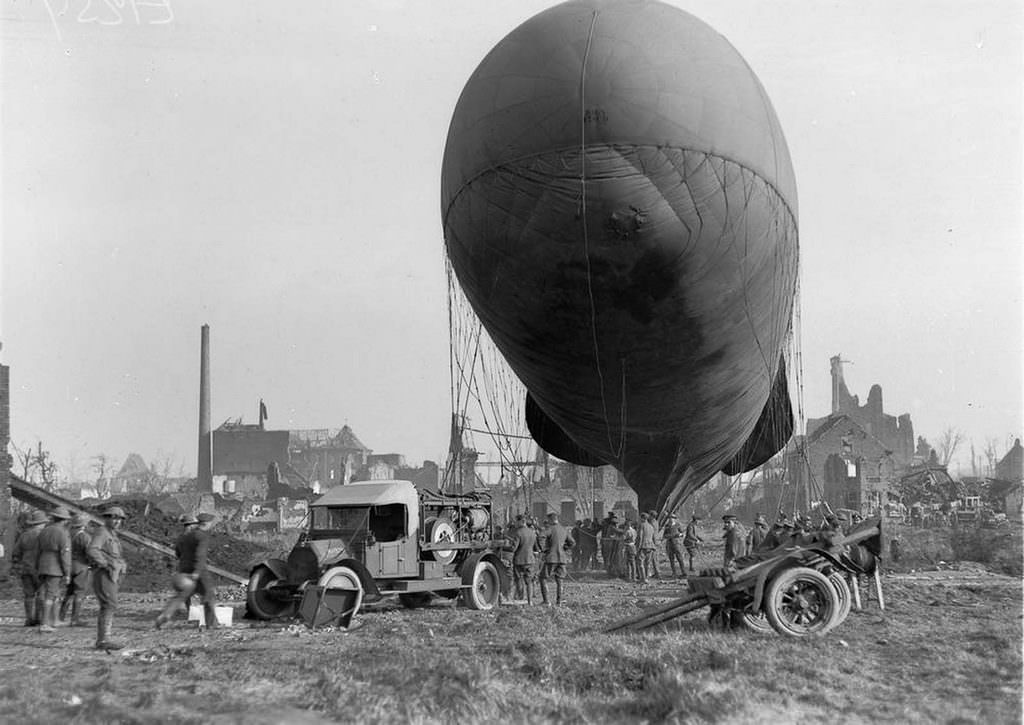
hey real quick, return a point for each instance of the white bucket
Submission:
(224, 615)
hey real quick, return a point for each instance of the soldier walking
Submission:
(557, 540)
(524, 552)
(672, 533)
(78, 586)
(53, 565)
(185, 581)
(609, 543)
(23, 557)
(108, 569)
(691, 539)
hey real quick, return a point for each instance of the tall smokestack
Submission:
(205, 472)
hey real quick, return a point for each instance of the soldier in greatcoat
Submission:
(524, 552)
(23, 557)
(558, 542)
(733, 539)
(692, 539)
(53, 565)
(645, 548)
(672, 533)
(81, 577)
(108, 569)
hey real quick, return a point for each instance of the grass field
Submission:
(947, 650)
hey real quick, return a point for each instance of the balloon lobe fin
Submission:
(552, 438)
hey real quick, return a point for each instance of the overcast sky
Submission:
(272, 169)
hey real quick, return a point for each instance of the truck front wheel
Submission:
(261, 599)
(485, 588)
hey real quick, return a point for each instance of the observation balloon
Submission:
(619, 207)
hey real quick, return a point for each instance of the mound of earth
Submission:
(148, 570)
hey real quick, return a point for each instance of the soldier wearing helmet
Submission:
(108, 569)
(23, 557)
(81, 577)
(193, 575)
(53, 565)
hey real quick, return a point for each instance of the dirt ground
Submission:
(947, 649)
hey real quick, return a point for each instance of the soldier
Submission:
(652, 516)
(691, 539)
(186, 580)
(628, 549)
(53, 565)
(23, 557)
(757, 535)
(733, 540)
(108, 569)
(609, 539)
(577, 550)
(80, 575)
(672, 533)
(557, 540)
(645, 547)
(523, 554)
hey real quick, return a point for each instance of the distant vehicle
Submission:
(381, 538)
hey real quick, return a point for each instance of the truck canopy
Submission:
(376, 493)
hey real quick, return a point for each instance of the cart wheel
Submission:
(801, 602)
(757, 623)
(343, 577)
(486, 586)
(435, 531)
(844, 598)
(260, 602)
(413, 600)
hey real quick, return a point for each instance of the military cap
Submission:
(114, 512)
(729, 517)
(187, 519)
(552, 516)
(78, 521)
(520, 519)
(644, 516)
(760, 520)
(60, 512)
(36, 517)
(204, 517)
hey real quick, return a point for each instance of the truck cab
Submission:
(384, 538)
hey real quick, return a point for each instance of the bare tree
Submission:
(991, 456)
(101, 466)
(949, 441)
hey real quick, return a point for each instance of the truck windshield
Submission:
(344, 520)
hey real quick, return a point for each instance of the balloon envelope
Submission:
(619, 207)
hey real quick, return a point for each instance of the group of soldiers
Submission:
(59, 558)
(628, 550)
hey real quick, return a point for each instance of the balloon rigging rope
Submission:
(615, 450)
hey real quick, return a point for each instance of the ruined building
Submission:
(852, 457)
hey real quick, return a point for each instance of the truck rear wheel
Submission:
(485, 588)
(844, 598)
(260, 601)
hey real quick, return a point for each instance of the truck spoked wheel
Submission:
(485, 588)
(801, 602)
(261, 599)
(413, 600)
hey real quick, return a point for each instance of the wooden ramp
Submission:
(45, 501)
(652, 617)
